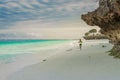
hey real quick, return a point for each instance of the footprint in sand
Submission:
(44, 60)
(69, 50)
(89, 57)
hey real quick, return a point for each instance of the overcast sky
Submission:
(44, 18)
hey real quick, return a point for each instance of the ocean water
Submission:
(12, 48)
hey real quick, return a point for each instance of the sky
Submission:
(44, 19)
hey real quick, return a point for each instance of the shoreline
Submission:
(91, 63)
(60, 55)
(15, 62)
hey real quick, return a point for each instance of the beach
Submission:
(65, 62)
(15, 55)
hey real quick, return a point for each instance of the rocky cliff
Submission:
(107, 17)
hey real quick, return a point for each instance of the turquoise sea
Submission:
(10, 48)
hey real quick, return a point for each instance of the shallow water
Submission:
(25, 46)
(10, 49)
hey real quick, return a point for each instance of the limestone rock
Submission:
(107, 17)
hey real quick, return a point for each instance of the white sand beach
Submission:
(66, 62)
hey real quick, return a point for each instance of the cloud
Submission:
(72, 6)
(46, 1)
(21, 15)
(14, 11)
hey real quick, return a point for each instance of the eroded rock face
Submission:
(107, 17)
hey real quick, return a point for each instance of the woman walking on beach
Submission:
(80, 44)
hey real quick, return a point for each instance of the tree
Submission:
(86, 34)
(93, 31)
